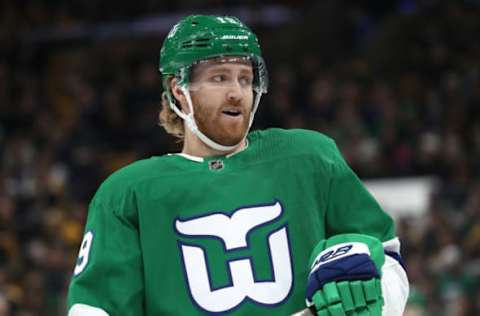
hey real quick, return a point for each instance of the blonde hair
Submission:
(169, 120)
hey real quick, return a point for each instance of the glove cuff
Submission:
(345, 245)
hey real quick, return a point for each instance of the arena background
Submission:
(396, 83)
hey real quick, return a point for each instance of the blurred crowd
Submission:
(398, 88)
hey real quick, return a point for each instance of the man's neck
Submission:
(195, 147)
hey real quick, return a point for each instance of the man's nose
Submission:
(234, 92)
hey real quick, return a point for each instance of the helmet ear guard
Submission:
(199, 38)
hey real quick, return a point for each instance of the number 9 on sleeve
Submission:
(84, 253)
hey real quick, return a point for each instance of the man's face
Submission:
(222, 99)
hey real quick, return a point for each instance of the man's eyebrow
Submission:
(221, 67)
(218, 68)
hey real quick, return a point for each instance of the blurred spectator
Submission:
(4, 306)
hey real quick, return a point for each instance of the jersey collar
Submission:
(201, 159)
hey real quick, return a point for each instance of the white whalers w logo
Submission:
(233, 231)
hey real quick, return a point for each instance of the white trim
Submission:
(189, 157)
(392, 245)
(86, 310)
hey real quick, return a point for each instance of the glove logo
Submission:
(233, 232)
(335, 253)
(339, 251)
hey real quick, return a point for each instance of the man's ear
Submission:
(179, 95)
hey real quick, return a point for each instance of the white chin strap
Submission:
(192, 125)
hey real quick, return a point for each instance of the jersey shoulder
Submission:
(122, 181)
(299, 142)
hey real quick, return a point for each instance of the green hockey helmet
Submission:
(196, 38)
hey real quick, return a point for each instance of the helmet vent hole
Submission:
(199, 42)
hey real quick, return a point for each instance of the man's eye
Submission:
(246, 80)
(218, 78)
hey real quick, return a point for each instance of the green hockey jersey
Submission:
(179, 235)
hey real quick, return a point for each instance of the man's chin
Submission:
(230, 139)
(226, 134)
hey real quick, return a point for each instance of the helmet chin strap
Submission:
(192, 125)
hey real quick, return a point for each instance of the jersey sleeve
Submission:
(108, 275)
(350, 207)
(395, 287)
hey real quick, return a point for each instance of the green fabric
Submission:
(136, 262)
(352, 298)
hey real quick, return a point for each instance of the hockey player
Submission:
(238, 223)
